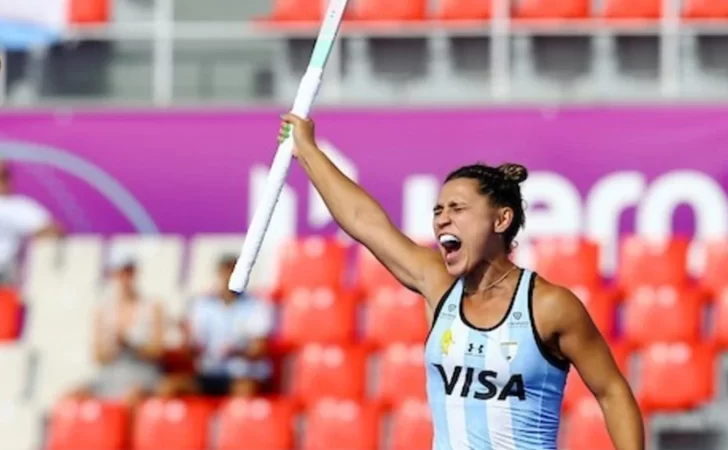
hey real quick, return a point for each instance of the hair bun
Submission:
(513, 172)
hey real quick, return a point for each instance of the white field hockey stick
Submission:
(305, 96)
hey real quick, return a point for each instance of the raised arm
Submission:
(581, 343)
(418, 268)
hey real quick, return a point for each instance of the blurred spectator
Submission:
(20, 217)
(227, 335)
(128, 338)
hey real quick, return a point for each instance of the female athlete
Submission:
(501, 338)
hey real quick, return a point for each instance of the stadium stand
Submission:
(358, 384)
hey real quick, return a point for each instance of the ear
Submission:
(503, 220)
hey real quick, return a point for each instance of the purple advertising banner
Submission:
(596, 171)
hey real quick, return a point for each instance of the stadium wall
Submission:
(598, 172)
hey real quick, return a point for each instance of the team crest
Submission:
(509, 350)
(446, 341)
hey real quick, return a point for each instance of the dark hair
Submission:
(502, 186)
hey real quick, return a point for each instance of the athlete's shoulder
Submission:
(556, 305)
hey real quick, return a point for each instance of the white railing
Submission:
(163, 31)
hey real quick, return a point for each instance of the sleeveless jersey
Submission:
(496, 388)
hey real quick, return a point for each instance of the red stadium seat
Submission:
(465, 9)
(720, 321)
(576, 389)
(371, 275)
(317, 316)
(341, 424)
(89, 11)
(663, 314)
(705, 9)
(568, 261)
(10, 314)
(174, 424)
(553, 9)
(387, 10)
(401, 374)
(92, 424)
(411, 426)
(256, 424)
(329, 371)
(601, 305)
(298, 10)
(676, 376)
(633, 9)
(395, 315)
(655, 263)
(311, 262)
(586, 428)
(715, 274)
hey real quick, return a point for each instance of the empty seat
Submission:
(386, 10)
(60, 372)
(654, 314)
(401, 374)
(411, 426)
(173, 424)
(256, 424)
(715, 265)
(720, 319)
(342, 424)
(553, 9)
(318, 315)
(14, 363)
(465, 9)
(676, 376)
(576, 389)
(652, 262)
(370, 274)
(89, 11)
(395, 315)
(312, 262)
(329, 371)
(705, 9)
(11, 310)
(567, 261)
(586, 428)
(71, 265)
(88, 424)
(633, 9)
(601, 305)
(298, 10)
(20, 426)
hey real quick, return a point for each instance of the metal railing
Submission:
(164, 32)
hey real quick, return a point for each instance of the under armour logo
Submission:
(471, 348)
(517, 315)
(451, 308)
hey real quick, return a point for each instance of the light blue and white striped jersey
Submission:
(492, 389)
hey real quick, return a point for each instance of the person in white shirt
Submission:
(227, 336)
(21, 218)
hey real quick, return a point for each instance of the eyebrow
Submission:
(451, 204)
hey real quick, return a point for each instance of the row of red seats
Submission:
(395, 314)
(417, 10)
(672, 376)
(319, 262)
(270, 424)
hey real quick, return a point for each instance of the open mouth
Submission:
(450, 243)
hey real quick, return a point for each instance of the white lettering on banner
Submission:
(555, 206)
(607, 200)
